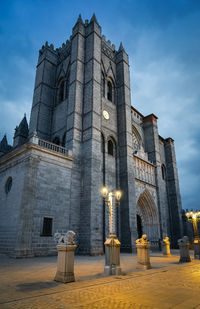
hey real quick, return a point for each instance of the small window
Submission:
(61, 92)
(109, 91)
(47, 227)
(110, 148)
(56, 140)
(163, 168)
(8, 185)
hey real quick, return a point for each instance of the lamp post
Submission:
(112, 244)
(194, 217)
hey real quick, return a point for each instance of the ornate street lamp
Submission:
(112, 198)
(112, 244)
(194, 217)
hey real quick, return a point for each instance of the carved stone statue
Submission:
(65, 238)
(183, 241)
(166, 246)
(143, 240)
(65, 263)
(143, 260)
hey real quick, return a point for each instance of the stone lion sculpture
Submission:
(65, 238)
(183, 241)
(142, 240)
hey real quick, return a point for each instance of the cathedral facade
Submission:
(84, 134)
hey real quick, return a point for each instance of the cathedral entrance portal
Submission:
(147, 218)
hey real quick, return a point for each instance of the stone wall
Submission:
(10, 201)
(40, 189)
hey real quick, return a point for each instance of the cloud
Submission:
(162, 40)
(12, 113)
(165, 81)
(16, 91)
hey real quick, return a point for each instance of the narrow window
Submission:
(47, 227)
(163, 172)
(103, 85)
(109, 91)
(8, 185)
(61, 92)
(110, 148)
(67, 88)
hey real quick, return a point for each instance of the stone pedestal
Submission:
(197, 249)
(166, 247)
(143, 260)
(184, 250)
(112, 256)
(65, 263)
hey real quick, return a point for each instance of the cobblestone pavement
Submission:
(28, 284)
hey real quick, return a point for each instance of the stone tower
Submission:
(84, 134)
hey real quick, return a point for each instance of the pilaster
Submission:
(91, 223)
(153, 150)
(74, 119)
(126, 168)
(173, 191)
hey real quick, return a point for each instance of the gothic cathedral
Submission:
(83, 134)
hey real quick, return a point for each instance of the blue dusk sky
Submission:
(162, 40)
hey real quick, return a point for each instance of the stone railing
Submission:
(51, 146)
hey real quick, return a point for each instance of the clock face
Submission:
(106, 114)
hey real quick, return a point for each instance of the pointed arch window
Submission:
(8, 184)
(137, 140)
(109, 91)
(163, 169)
(110, 147)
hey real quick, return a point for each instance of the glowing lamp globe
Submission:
(104, 192)
(118, 195)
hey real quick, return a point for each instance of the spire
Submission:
(4, 147)
(4, 143)
(78, 27)
(121, 47)
(23, 127)
(21, 132)
(94, 19)
(79, 20)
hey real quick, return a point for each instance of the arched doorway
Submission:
(147, 217)
(139, 226)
